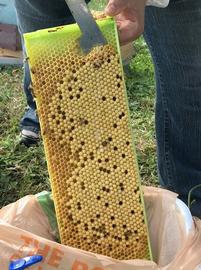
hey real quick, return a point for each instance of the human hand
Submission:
(129, 15)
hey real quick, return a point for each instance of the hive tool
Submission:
(91, 34)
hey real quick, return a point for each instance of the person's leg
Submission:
(173, 35)
(33, 15)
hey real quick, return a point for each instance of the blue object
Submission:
(24, 263)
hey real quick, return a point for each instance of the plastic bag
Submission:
(28, 227)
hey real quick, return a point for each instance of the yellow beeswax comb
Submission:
(85, 124)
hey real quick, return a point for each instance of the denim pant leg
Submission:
(173, 35)
(33, 15)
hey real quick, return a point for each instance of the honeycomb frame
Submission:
(85, 124)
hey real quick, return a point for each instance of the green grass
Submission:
(98, 4)
(141, 93)
(23, 171)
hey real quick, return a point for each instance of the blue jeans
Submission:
(174, 38)
(173, 35)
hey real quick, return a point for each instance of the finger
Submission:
(115, 7)
(129, 31)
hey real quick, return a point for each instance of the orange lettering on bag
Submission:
(44, 251)
(20, 253)
(23, 248)
(55, 257)
(27, 239)
(34, 248)
(79, 266)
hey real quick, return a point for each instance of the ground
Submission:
(23, 171)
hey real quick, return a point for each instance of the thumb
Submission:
(114, 7)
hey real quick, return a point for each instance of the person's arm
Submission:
(130, 16)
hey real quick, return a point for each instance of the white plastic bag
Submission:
(25, 230)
